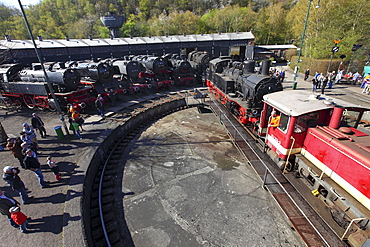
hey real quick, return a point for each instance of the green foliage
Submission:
(271, 25)
(334, 19)
(228, 19)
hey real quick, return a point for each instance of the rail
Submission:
(239, 134)
(100, 230)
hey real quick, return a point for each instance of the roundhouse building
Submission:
(219, 44)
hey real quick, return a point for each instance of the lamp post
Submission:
(301, 46)
(43, 68)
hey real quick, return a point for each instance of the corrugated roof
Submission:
(57, 43)
(278, 47)
(299, 102)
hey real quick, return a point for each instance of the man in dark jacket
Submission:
(14, 145)
(38, 124)
(6, 202)
(99, 104)
(11, 177)
(32, 163)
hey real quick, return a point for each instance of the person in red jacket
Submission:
(19, 218)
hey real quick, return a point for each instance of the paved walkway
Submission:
(55, 223)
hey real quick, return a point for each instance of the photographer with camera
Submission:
(11, 177)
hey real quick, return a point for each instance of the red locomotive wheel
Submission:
(29, 101)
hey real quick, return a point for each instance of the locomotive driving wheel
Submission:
(29, 101)
(52, 106)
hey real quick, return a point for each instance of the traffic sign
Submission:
(335, 49)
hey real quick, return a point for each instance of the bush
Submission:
(319, 65)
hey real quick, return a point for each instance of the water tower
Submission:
(113, 22)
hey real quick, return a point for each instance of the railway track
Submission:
(104, 209)
(105, 230)
(308, 224)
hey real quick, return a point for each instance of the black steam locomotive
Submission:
(240, 88)
(182, 71)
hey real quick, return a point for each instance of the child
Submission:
(54, 167)
(19, 218)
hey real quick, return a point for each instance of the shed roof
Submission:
(300, 102)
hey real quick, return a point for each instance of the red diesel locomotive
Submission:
(318, 139)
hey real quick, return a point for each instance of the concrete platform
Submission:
(185, 184)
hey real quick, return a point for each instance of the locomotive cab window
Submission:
(284, 120)
(349, 118)
(305, 121)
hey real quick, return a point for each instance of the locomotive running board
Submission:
(308, 224)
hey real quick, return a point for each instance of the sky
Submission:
(14, 3)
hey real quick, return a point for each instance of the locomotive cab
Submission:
(308, 111)
(322, 141)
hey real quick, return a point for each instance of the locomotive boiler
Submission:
(27, 85)
(156, 70)
(92, 71)
(199, 60)
(20, 79)
(128, 69)
(239, 88)
(182, 70)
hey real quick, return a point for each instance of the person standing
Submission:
(306, 74)
(76, 117)
(282, 76)
(113, 97)
(338, 77)
(331, 79)
(99, 104)
(32, 163)
(38, 124)
(19, 218)
(323, 84)
(320, 79)
(6, 202)
(74, 125)
(11, 177)
(14, 145)
(314, 84)
(31, 133)
(54, 167)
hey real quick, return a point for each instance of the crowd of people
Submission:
(25, 149)
(280, 75)
(321, 81)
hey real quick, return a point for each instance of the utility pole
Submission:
(301, 45)
(333, 50)
(43, 68)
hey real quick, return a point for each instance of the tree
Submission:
(229, 19)
(335, 19)
(271, 27)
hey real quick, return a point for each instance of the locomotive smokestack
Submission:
(336, 117)
(265, 68)
(248, 67)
